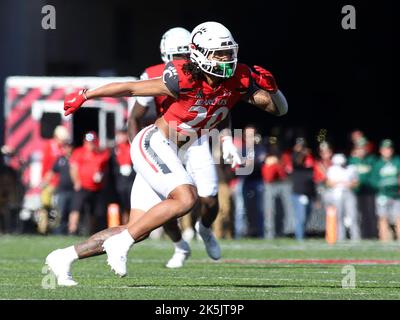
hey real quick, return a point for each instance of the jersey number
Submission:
(201, 115)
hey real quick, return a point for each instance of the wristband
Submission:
(280, 102)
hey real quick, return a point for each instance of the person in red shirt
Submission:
(88, 165)
(276, 185)
(52, 150)
(123, 172)
(200, 93)
(322, 165)
(273, 170)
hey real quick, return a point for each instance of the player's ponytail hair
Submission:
(192, 69)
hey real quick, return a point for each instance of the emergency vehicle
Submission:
(34, 108)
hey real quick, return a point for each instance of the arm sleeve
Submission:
(278, 98)
(280, 102)
(171, 78)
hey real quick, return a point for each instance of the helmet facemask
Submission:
(220, 62)
(181, 52)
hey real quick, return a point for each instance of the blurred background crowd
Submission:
(292, 188)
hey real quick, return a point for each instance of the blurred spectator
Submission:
(385, 178)
(123, 173)
(52, 150)
(223, 224)
(236, 185)
(9, 192)
(282, 184)
(303, 185)
(88, 167)
(321, 167)
(365, 193)
(65, 188)
(356, 137)
(253, 186)
(341, 181)
(277, 187)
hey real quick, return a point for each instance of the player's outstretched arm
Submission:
(152, 87)
(269, 97)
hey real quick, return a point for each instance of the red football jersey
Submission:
(89, 163)
(154, 72)
(199, 106)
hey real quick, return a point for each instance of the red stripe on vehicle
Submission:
(35, 144)
(56, 94)
(23, 104)
(26, 127)
(11, 94)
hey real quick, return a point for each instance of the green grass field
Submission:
(245, 271)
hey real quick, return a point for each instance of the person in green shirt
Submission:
(385, 179)
(363, 161)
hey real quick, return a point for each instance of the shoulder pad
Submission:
(155, 71)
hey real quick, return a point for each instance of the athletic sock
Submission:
(202, 226)
(71, 254)
(126, 238)
(181, 245)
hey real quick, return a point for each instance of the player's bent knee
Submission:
(188, 201)
(186, 196)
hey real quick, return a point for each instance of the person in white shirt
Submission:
(341, 180)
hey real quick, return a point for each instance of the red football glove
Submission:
(264, 79)
(74, 101)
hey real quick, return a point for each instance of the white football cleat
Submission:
(179, 257)
(60, 266)
(116, 255)
(66, 282)
(212, 246)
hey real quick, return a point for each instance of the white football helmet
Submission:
(174, 41)
(213, 49)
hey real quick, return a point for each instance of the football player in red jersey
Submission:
(200, 93)
(198, 160)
